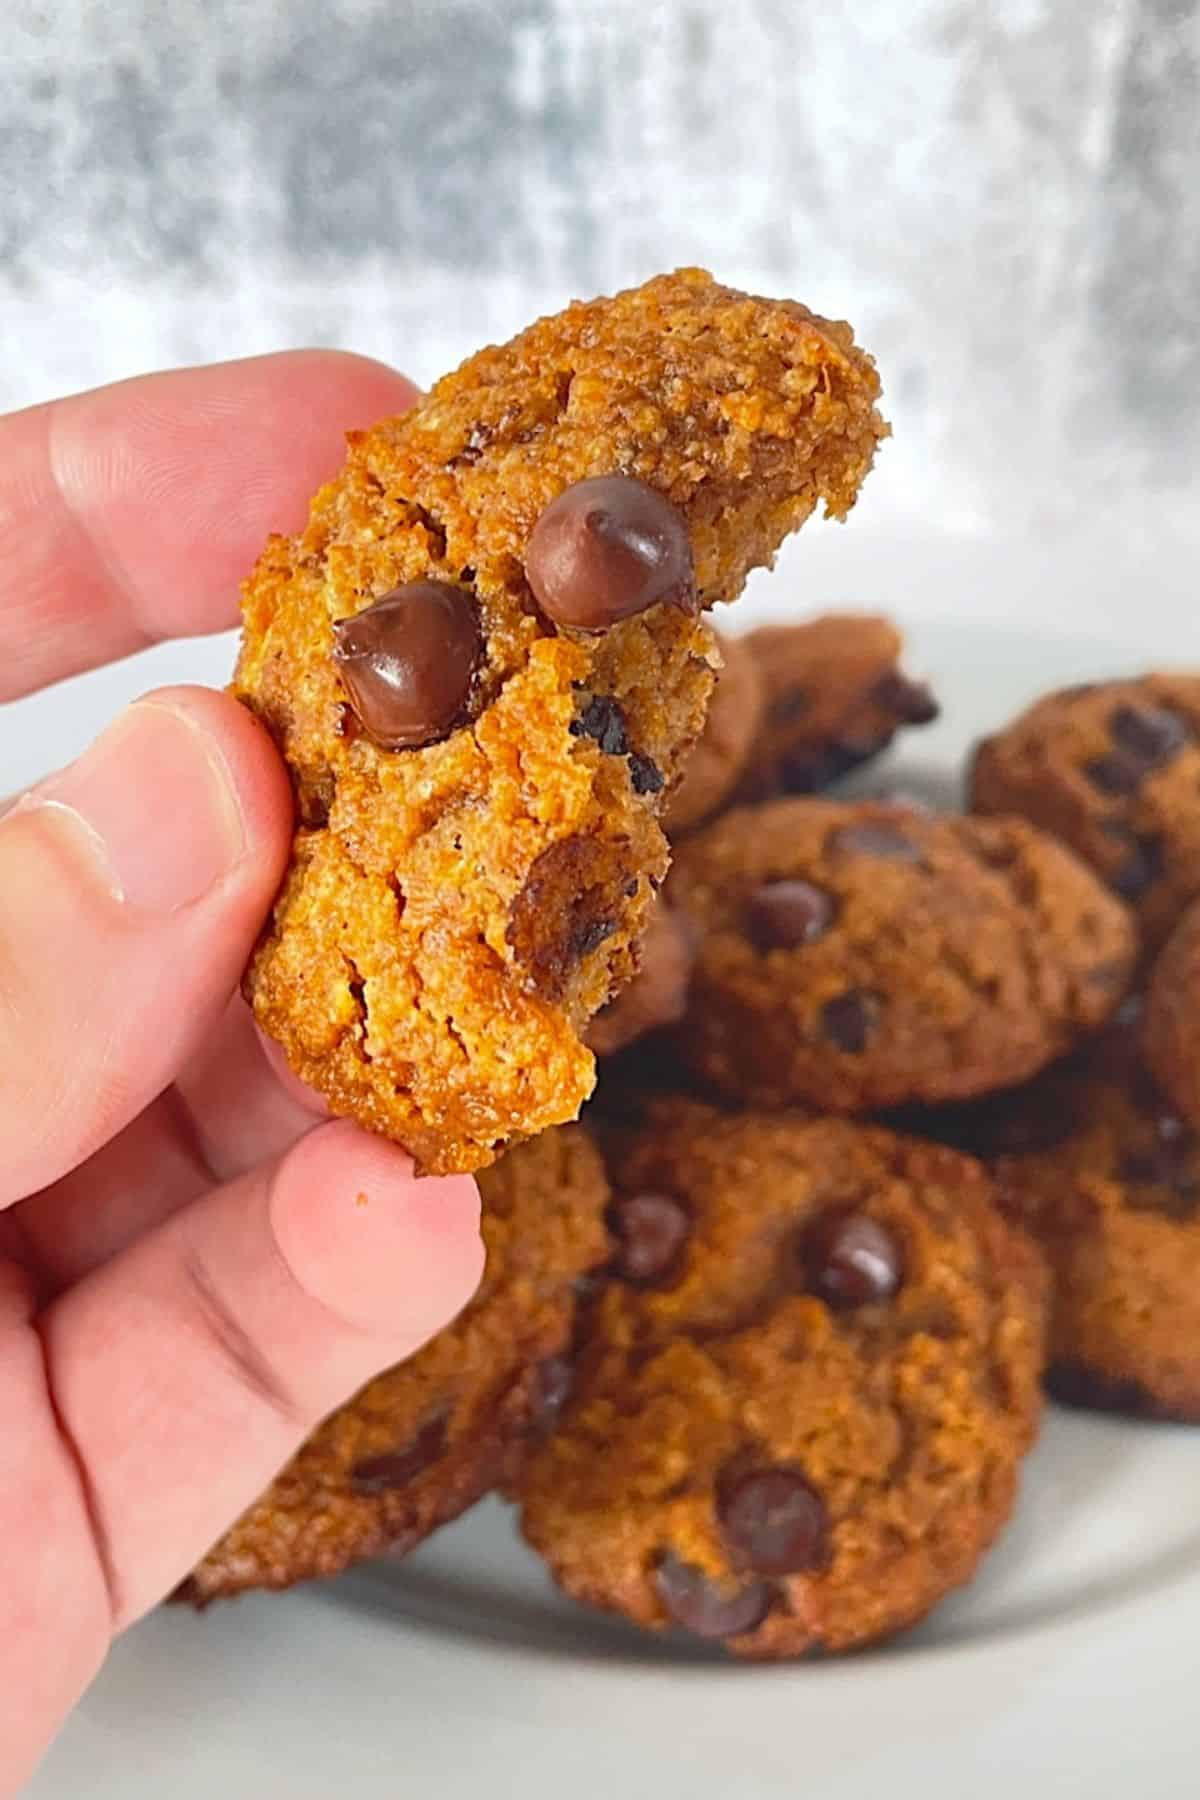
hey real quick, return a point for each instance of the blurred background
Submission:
(1002, 195)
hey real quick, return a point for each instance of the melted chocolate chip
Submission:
(603, 720)
(782, 915)
(774, 1521)
(407, 662)
(850, 1260)
(698, 1604)
(910, 701)
(1152, 734)
(848, 1020)
(395, 1469)
(608, 548)
(589, 936)
(652, 1231)
(645, 776)
(875, 837)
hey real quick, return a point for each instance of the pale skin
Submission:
(195, 1264)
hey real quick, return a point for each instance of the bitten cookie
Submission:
(834, 697)
(1094, 1161)
(1113, 769)
(716, 763)
(484, 660)
(801, 1404)
(422, 1443)
(854, 956)
(1172, 1024)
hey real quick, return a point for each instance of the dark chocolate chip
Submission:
(774, 1522)
(407, 662)
(698, 1604)
(652, 1231)
(645, 776)
(911, 701)
(850, 1259)
(589, 936)
(608, 548)
(553, 1381)
(395, 1469)
(603, 720)
(1114, 774)
(782, 915)
(875, 837)
(809, 769)
(1153, 734)
(848, 1020)
(1141, 865)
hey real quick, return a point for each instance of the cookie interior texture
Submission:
(454, 913)
(426, 1440)
(733, 1359)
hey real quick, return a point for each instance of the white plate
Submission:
(1068, 1665)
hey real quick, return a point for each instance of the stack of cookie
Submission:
(762, 1341)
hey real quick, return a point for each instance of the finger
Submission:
(131, 890)
(186, 1371)
(227, 1113)
(131, 513)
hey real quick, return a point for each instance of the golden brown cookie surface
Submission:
(480, 763)
(856, 955)
(423, 1442)
(1113, 769)
(802, 1402)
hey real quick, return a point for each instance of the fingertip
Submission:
(389, 1254)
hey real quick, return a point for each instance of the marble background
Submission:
(1004, 196)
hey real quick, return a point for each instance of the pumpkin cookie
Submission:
(422, 1443)
(1113, 769)
(484, 660)
(834, 697)
(801, 1404)
(855, 956)
(715, 764)
(1172, 1028)
(657, 995)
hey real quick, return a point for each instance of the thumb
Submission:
(132, 886)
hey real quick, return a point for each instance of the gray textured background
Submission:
(1004, 196)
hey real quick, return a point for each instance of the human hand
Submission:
(194, 1268)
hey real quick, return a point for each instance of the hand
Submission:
(194, 1268)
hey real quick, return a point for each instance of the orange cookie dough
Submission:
(422, 1443)
(801, 1404)
(484, 660)
(858, 955)
(1113, 769)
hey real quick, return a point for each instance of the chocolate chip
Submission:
(603, 720)
(875, 837)
(1113, 774)
(911, 701)
(1153, 734)
(698, 1604)
(848, 1020)
(809, 769)
(1141, 865)
(782, 915)
(553, 1380)
(589, 936)
(608, 548)
(850, 1259)
(395, 1469)
(407, 661)
(652, 1231)
(774, 1522)
(645, 776)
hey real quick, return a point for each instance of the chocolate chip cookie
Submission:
(1113, 769)
(657, 995)
(484, 660)
(1096, 1163)
(855, 956)
(801, 1404)
(834, 697)
(1172, 1024)
(425, 1441)
(716, 762)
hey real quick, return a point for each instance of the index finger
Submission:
(131, 513)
